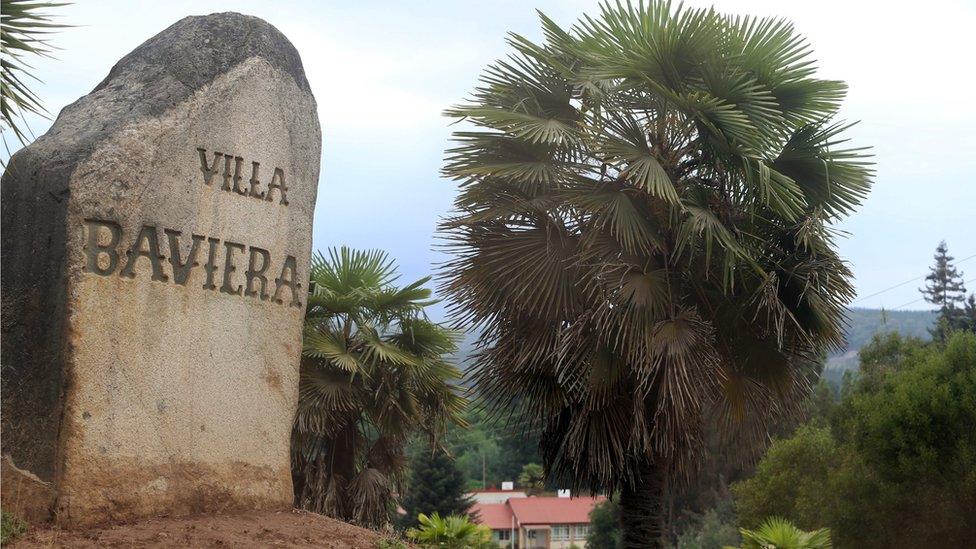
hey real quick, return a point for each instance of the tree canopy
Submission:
(643, 237)
(436, 485)
(896, 467)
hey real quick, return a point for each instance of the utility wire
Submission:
(921, 298)
(900, 284)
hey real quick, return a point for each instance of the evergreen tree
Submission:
(969, 313)
(437, 485)
(945, 289)
(604, 526)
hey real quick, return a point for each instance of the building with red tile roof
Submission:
(497, 516)
(496, 495)
(538, 522)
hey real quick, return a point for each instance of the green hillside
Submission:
(864, 323)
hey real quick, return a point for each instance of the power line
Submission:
(900, 284)
(921, 298)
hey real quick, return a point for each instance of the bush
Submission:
(604, 526)
(790, 480)
(897, 468)
(711, 532)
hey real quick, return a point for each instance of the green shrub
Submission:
(777, 533)
(451, 532)
(896, 468)
(10, 527)
(711, 532)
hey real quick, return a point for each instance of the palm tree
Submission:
(373, 373)
(451, 532)
(22, 33)
(643, 238)
(778, 533)
(532, 479)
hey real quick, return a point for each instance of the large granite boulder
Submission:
(155, 252)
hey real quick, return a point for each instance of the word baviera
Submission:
(232, 176)
(104, 258)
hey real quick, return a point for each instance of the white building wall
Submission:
(496, 497)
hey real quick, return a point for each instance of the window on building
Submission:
(560, 532)
(504, 535)
(530, 534)
(582, 530)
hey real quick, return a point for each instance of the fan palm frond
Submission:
(779, 533)
(24, 29)
(643, 235)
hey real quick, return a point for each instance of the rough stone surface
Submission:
(135, 381)
(24, 495)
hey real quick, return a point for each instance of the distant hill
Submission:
(864, 323)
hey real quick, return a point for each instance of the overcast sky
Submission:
(382, 72)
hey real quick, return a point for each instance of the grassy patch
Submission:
(10, 527)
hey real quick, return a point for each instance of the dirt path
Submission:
(281, 529)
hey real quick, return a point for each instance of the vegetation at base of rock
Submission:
(373, 374)
(10, 527)
(451, 532)
(435, 485)
(777, 533)
(893, 464)
(643, 238)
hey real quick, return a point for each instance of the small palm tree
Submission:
(373, 373)
(532, 479)
(451, 532)
(778, 533)
(643, 237)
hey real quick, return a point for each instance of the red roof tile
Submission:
(553, 510)
(497, 516)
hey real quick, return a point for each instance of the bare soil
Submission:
(270, 529)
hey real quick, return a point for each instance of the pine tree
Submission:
(970, 313)
(945, 289)
(437, 485)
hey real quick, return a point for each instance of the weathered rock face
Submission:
(155, 250)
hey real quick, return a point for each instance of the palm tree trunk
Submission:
(642, 508)
(343, 465)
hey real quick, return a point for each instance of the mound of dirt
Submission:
(270, 529)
